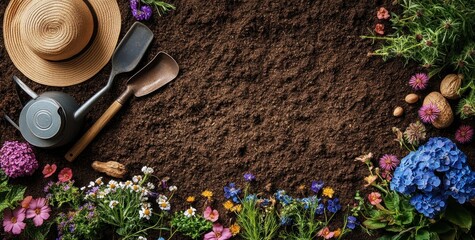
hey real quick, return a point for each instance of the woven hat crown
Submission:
(56, 29)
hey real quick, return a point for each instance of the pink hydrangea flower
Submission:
(38, 210)
(419, 81)
(218, 233)
(65, 175)
(326, 233)
(429, 113)
(379, 29)
(388, 162)
(13, 222)
(382, 13)
(48, 170)
(464, 134)
(210, 214)
(17, 159)
(374, 198)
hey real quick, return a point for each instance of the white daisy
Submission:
(161, 198)
(137, 178)
(145, 212)
(113, 203)
(164, 205)
(99, 181)
(150, 186)
(190, 212)
(112, 184)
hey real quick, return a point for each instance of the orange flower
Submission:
(337, 233)
(328, 191)
(237, 208)
(26, 202)
(228, 205)
(382, 13)
(370, 180)
(379, 29)
(235, 229)
(190, 199)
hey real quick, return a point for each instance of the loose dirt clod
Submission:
(398, 111)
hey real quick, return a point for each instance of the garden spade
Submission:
(158, 72)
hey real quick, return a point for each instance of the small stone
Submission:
(411, 98)
(398, 111)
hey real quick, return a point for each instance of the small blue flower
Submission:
(351, 222)
(320, 209)
(249, 177)
(250, 197)
(334, 205)
(282, 197)
(316, 186)
(285, 221)
(232, 192)
(429, 204)
(160, 238)
(309, 201)
(265, 203)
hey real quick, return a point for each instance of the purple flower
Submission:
(351, 222)
(249, 177)
(232, 192)
(388, 162)
(144, 13)
(316, 186)
(429, 113)
(134, 4)
(334, 205)
(419, 81)
(17, 159)
(464, 134)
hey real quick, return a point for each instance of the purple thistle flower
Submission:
(429, 113)
(144, 13)
(388, 162)
(464, 134)
(316, 186)
(249, 177)
(419, 81)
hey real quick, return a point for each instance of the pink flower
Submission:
(464, 134)
(379, 29)
(382, 13)
(210, 214)
(14, 222)
(38, 210)
(325, 233)
(65, 175)
(218, 233)
(419, 81)
(429, 113)
(48, 170)
(25, 203)
(388, 162)
(374, 198)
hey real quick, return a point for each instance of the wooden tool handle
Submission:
(82, 143)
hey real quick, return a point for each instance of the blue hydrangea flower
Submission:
(316, 186)
(232, 192)
(351, 222)
(429, 204)
(334, 205)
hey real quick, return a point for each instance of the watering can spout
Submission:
(86, 107)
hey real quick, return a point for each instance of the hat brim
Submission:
(70, 72)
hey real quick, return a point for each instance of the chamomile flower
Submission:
(112, 185)
(190, 212)
(137, 178)
(99, 181)
(145, 212)
(113, 203)
(164, 205)
(172, 188)
(147, 170)
(136, 188)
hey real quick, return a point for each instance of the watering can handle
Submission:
(87, 138)
(25, 88)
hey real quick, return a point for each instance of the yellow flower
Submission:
(302, 188)
(328, 191)
(235, 229)
(337, 233)
(370, 179)
(237, 208)
(207, 194)
(190, 199)
(228, 205)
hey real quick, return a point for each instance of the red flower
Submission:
(383, 13)
(374, 198)
(65, 175)
(48, 170)
(379, 29)
(26, 202)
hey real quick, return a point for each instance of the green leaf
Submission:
(385, 237)
(450, 235)
(15, 195)
(391, 201)
(459, 216)
(4, 187)
(441, 227)
(372, 224)
(423, 235)
(3, 206)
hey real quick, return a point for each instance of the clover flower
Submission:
(249, 177)
(231, 192)
(382, 13)
(379, 29)
(17, 159)
(388, 162)
(351, 222)
(334, 205)
(415, 133)
(13, 221)
(464, 134)
(429, 113)
(317, 186)
(39, 210)
(419, 81)
(436, 171)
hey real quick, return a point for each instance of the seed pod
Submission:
(398, 111)
(446, 116)
(111, 168)
(450, 86)
(411, 98)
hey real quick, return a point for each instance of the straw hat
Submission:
(61, 42)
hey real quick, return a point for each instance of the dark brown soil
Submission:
(282, 89)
